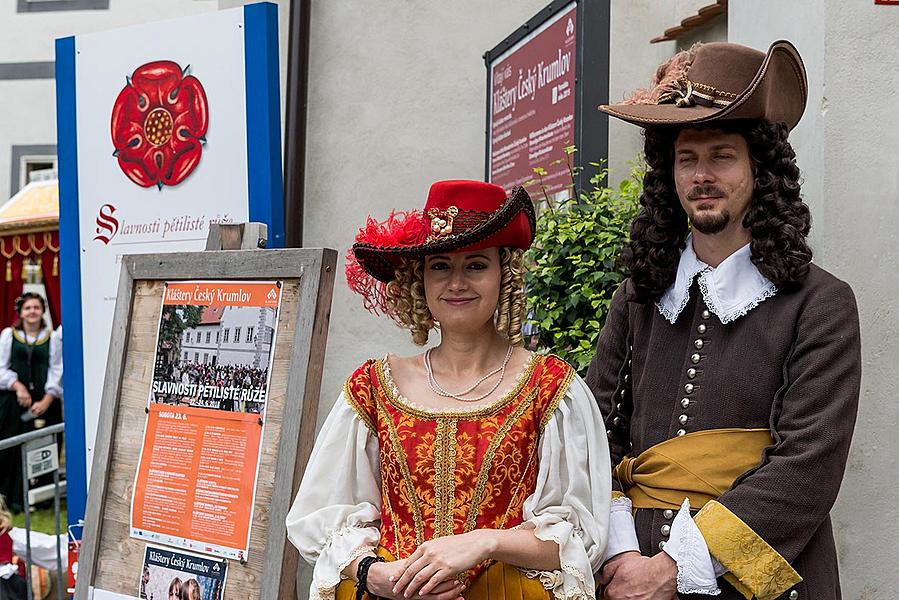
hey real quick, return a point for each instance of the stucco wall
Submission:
(632, 62)
(396, 102)
(847, 147)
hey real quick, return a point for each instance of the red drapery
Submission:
(17, 248)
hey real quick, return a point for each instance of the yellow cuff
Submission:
(756, 569)
(616, 494)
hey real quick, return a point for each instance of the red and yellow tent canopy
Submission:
(29, 244)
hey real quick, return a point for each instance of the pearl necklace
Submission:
(438, 389)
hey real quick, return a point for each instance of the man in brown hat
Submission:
(728, 368)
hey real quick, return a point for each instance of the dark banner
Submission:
(532, 107)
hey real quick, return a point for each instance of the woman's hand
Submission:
(382, 577)
(440, 560)
(23, 396)
(40, 407)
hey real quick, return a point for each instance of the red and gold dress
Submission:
(387, 474)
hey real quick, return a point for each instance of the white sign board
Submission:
(44, 459)
(164, 129)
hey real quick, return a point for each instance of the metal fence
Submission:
(40, 456)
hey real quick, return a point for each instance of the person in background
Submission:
(12, 575)
(31, 384)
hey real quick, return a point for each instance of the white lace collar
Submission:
(730, 290)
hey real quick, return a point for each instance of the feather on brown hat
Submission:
(718, 81)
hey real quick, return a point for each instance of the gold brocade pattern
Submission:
(444, 473)
(445, 479)
(481, 483)
(755, 568)
(403, 463)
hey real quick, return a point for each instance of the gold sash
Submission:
(700, 466)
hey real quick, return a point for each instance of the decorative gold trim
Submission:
(357, 408)
(382, 372)
(750, 560)
(403, 462)
(560, 393)
(445, 446)
(616, 494)
(524, 474)
(481, 482)
(44, 336)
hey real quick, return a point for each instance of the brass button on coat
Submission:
(701, 328)
(706, 314)
(695, 358)
(691, 373)
(681, 432)
(689, 388)
(668, 514)
(666, 529)
(685, 402)
(699, 344)
(682, 419)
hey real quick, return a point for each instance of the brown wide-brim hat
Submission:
(718, 81)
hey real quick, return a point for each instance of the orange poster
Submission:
(196, 478)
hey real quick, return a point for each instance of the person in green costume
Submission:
(30, 385)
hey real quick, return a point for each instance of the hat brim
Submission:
(781, 76)
(513, 224)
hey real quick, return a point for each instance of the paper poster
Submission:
(173, 575)
(196, 478)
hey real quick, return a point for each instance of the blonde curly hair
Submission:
(408, 307)
(5, 516)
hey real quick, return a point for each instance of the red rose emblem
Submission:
(159, 123)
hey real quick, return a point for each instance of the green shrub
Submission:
(574, 267)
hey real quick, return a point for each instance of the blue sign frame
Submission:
(265, 199)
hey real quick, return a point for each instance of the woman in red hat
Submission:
(477, 468)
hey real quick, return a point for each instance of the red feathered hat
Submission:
(458, 215)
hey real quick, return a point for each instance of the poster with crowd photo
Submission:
(172, 575)
(196, 477)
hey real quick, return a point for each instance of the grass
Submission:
(43, 519)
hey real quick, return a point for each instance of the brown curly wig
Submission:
(407, 306)
(778, 220)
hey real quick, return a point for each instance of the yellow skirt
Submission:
(499, 582)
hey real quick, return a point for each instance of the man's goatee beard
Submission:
(710, 224)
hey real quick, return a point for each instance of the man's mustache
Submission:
(708, 190)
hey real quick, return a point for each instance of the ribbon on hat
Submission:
(686, 93)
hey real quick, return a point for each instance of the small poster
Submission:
(172, 575)
(196, 478)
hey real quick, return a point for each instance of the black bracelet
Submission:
(362, 574)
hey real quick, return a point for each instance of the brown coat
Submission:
(792, 364)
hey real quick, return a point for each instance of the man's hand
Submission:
(440, 560)
(23, 396)
(634, 577)
(382, 576)
(40, 407)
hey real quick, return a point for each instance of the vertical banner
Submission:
(196, 478)
(532, 106)
(164, 129)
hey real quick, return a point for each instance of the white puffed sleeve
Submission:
(570, 504)
(7, 375)
(54, 371)
(335, 516)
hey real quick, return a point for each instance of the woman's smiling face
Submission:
(462, 288)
